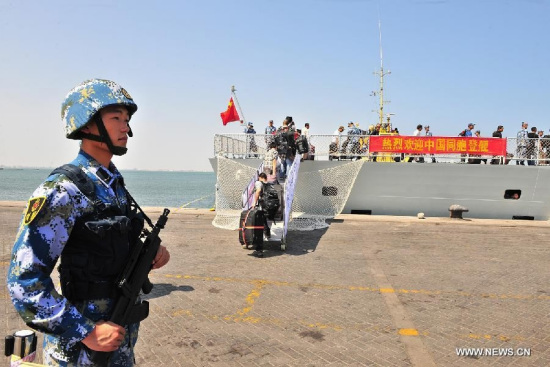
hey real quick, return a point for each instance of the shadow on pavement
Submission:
(163, 289)
(298, 243)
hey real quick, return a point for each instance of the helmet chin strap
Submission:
(103, 137)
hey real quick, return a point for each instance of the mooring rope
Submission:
(194, 201)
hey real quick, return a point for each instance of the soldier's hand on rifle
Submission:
(106, 337)
(162, 257)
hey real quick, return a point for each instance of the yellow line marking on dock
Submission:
(419, 355)
(503, 338)
(408, 332)
(283, 322)
(242, 316)
(360, 288)
(251, 298)
(338, 328)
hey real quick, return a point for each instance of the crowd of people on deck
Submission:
(533, 146)
(283, 145)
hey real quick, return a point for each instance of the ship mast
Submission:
(381, 73)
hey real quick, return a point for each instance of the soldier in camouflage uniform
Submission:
(58, 223)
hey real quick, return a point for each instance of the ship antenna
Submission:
(381, 73)
(233, 90)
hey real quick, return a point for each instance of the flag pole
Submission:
(233, 90)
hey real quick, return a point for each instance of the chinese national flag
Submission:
(231, 114)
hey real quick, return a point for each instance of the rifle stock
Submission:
(133, 279)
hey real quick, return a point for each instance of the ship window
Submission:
(523, 217)
(512, 194)
(361, 211)
(329, 191)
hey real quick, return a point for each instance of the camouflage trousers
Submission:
(59, 351)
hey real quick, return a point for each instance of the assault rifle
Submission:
(132, 280)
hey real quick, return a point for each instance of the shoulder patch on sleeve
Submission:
(33, 208)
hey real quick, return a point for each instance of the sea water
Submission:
(149, 188)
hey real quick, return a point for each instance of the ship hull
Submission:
(406, 189)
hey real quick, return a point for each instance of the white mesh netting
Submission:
(319, 194)
(232, 179)
(322, 195)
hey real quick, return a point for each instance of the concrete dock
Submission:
(367, 291)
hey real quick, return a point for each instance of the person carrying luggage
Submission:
(259, 203)
(302, 146)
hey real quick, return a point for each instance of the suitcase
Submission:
(281, 210)
(251, 228)
(302, 145)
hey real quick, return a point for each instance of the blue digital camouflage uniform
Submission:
(353, 139)
(86, 99)
(43, 233)
(270, 130)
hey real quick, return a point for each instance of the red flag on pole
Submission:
(230, 114)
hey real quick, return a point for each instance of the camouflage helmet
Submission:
(86, 99)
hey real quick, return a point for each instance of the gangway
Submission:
(279, 227)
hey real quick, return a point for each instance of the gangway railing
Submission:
(289, 185)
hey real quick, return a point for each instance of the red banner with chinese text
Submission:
(437, 145)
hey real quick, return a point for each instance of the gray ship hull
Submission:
(406, 189)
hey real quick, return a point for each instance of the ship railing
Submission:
(240, 145)
(350, 147)
(528, 151)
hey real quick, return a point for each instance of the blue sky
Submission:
(452, 62)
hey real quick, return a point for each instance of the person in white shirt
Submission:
(417, 132)
(336, 135)
(334, 148)
(305, 130)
